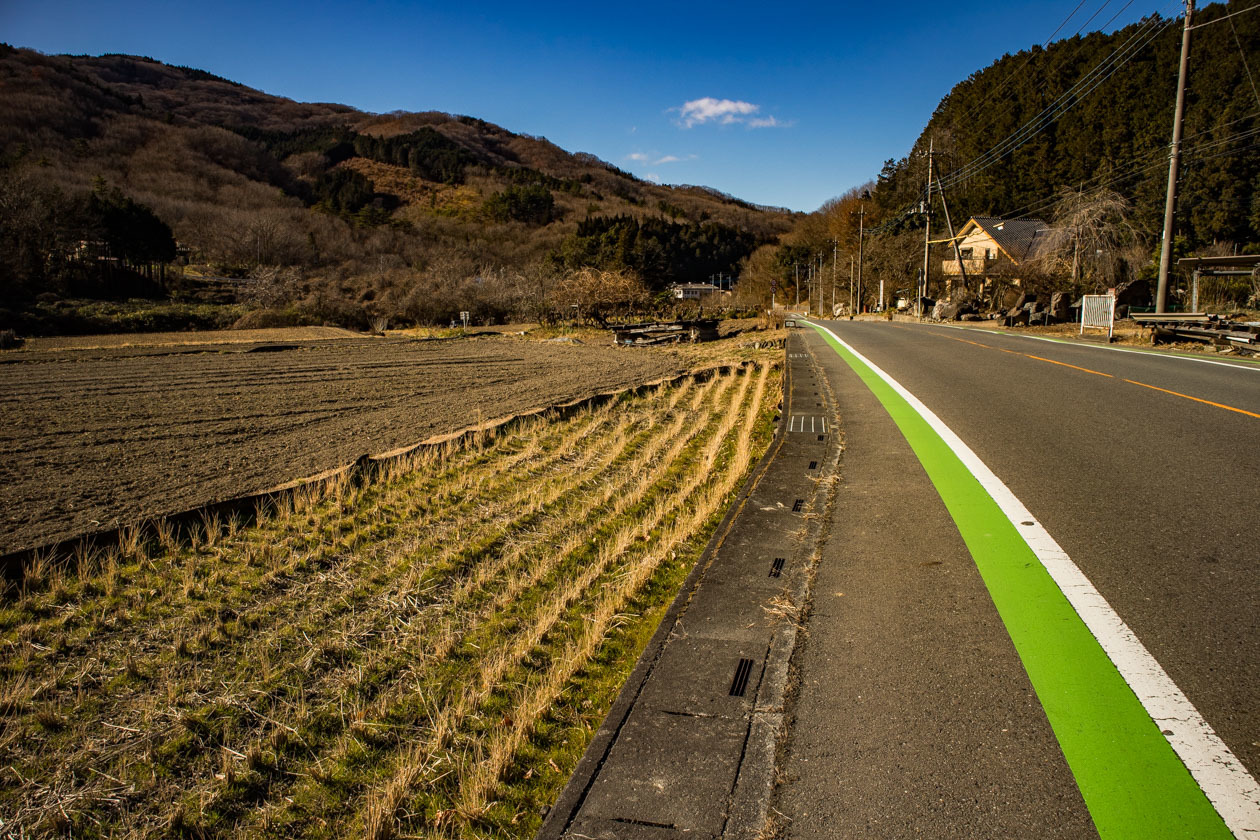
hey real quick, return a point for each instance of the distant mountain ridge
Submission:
(241, 178)
(115, 84)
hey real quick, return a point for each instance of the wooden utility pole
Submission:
(818, 282)
(1174, 160)
(927, 234)
(962, 269)
(834, 253)
(861, 233)
(851, 299)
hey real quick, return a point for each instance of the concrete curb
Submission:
(583, 777)
(715, 748)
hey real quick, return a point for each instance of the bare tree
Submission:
(600, 295)
(1091, 240)
(271, 285)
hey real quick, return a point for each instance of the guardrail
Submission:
(1198, 326)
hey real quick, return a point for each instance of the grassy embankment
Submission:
(423, 653)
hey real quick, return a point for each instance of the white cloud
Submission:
(766, 122)
(656, 158)
(724, 112)
(708, 109)
(653, 177)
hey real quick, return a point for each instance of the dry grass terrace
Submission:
(424, 652)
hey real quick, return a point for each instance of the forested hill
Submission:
(1115, 134)
(402, 211)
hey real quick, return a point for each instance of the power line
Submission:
(1116, 15)
(1042, 85)
(1045, 203)
(1051, 113)
(964, 172)
(1140, 164)
(972, 111)
(1226, 17)
(1241, 55)
(1226, 152)
(1148, 30)
(1192, 153)
(1031, 54)
(1223, 125)
(1097, 13)
(1231, 138)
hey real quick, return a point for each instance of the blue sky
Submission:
(785, 105)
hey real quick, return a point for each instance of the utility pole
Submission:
(834, 248)
(1174, 160)
(927, 232)
(818, 276)
(851, 298)
(962, 269)
(861, 233)
(796, 267)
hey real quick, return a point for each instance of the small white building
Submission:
(693, 291)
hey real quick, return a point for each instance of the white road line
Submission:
(1228, 786)
(796, 423)
(1147, 353)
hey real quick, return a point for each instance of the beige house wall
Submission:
(983, 253)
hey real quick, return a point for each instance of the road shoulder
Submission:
(913, 715)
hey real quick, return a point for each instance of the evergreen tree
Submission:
(1114, 136)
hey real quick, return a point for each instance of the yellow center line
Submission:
(1065, 364)
(977, 344)
(1108, 375)
(1196, 399)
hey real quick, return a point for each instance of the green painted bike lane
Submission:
(1132, 781)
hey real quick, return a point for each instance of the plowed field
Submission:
(92, 438)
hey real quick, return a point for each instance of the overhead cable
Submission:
(973, 109)
(1225, 17)
(1145, 33)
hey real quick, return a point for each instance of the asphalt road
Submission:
(913, 717)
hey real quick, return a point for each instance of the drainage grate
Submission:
(647, 823)
(777, 568)
(796, 508)
(742, 671)
(813, 465)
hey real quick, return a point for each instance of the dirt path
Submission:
(91, 438)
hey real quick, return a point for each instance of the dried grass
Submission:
(370, 617)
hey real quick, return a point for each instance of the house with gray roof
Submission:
(985, 243)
